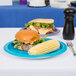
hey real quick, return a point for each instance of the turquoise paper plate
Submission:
(9, 48)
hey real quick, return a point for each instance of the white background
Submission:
(62, 65)
(5, 2)
(29, 0)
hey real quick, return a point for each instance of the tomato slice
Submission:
(53, 29)
(37, 27)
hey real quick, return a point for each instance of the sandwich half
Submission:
(42, 26)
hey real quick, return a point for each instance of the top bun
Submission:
(42, 21)
(27, 36)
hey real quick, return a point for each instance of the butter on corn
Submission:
(44, 48)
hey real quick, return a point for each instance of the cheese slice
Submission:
(41, 30)
(32, 28)
(44, 31)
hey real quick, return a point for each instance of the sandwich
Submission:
(26, 39)
(42, 26)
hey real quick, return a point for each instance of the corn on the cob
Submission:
(44, 48)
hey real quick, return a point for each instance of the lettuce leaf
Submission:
(17, 43)
(43, 25)
(27, 25)
(39, 41)
(36, 24)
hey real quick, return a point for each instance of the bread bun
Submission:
(42, 21)
(27, 36)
